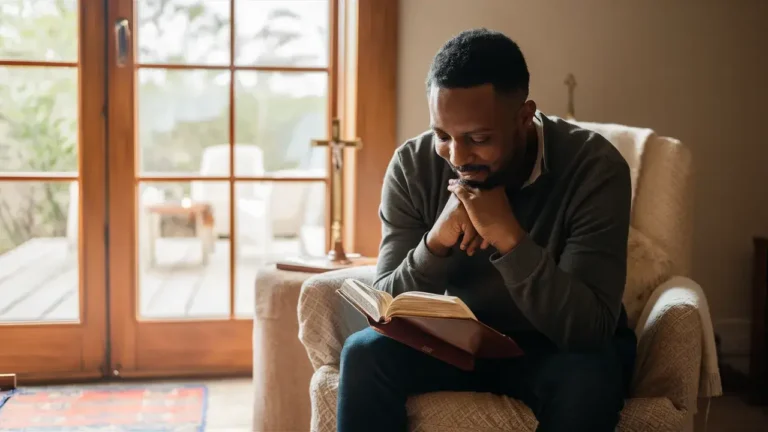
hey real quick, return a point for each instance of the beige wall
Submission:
(697, 73)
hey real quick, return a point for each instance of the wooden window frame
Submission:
(369, 111)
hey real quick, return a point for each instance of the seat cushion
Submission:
(648, 266)
(465, 411)
(485, 412)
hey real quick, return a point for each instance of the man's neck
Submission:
(523, 166)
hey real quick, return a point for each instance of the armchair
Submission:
(675, 360)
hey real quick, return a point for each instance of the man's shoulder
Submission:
(416, 155)
(417, 147)
(572, 143)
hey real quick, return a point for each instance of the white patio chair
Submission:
(251, 198)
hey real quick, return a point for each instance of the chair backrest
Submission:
(662, 187)
(249, 161)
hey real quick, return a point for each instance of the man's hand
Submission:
(454, 223)
(490, 214)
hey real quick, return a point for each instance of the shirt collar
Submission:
(537, 167)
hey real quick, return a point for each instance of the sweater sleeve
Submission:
(405, 263)
(576, 300)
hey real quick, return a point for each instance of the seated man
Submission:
(525, 218)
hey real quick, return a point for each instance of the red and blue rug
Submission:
(145, 408)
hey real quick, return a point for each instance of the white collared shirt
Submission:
(536, 172)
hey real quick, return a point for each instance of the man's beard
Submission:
(512, 175)
(493, 180)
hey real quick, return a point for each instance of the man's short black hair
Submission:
(477, 57)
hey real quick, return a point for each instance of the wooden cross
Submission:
(337, 146)
(570, 81)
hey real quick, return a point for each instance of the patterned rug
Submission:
(145, 408)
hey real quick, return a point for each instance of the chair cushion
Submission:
(648, 266)
(467, 411)
(485, 412)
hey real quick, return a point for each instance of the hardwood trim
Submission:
(196, 373)
(183, 178)
(46, 350)
(232, 204)
(121, 168)
(194, 345)
(93, 193)
(333, 108)
(376, 116)
(41, 177)
(235, 68)
(36, 63)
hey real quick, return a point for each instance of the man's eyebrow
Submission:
(470, 132)
(479, 130)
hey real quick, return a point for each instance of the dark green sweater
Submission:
(563, 283)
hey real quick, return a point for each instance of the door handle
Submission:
(122, 40)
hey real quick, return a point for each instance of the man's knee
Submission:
(363, 350)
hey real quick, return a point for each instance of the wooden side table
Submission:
(201, 213)
(758, 365)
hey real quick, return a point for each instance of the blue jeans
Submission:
(566, 391)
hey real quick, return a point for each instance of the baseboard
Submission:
(734, 334)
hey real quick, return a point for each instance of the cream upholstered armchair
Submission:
(676, 361)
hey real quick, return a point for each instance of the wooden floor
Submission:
(39, 280)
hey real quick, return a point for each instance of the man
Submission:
(526, 219)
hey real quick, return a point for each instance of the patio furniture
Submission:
(200, 213)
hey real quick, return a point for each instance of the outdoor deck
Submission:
(39, 281)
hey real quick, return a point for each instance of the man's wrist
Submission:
(511, 238)
(435, 247)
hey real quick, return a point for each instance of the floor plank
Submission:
(23, 256)
(39, 280)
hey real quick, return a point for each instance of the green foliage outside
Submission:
(38, 106)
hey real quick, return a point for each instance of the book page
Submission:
(416, 303)
(374, 302)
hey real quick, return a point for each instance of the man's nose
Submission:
(460, 153)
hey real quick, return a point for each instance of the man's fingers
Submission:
(485, 245)
(476, 243)
(469, 235)
(460, 191)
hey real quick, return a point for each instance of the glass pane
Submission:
(282, 32)
(39, 30)
(278, 115)
(183, 31)
(275, 220)
(39, 271)
(183, 260)
(184, 121)
(38, 119)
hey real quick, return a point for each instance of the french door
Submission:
(212, 108)
(154, 155)
(52, 189)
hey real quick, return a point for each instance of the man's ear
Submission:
(528, 110)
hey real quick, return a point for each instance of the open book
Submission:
(439, 325)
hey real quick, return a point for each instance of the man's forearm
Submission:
(565, 309)
(422, 269)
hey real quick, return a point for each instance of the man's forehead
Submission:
(462, 108)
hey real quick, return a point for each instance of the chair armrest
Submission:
(670, 344)
(325, 319)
